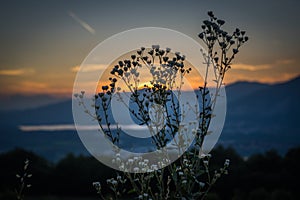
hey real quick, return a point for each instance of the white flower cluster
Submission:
(138, 164)
(144, 196)
(187, 163)
(97, 186)
(227, 162)
(112, 181)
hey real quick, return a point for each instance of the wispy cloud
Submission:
(89, 68)
(16, 72)
(32, 85)
(285, 61)
(82, 23)
(251, 67)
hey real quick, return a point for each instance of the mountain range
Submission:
(25, 102)
(259, 117)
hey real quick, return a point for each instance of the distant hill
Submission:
(259, 117)
(238, 90)
(267, 117)
(25, 102)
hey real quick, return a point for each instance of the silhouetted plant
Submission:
(189, 177)
(23, 181)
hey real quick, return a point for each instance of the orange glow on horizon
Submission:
(61, 84)
(32, 88)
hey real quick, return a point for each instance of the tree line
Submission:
(260, 176)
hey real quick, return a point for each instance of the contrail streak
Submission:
(82, 23)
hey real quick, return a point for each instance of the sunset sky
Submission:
(42, 43)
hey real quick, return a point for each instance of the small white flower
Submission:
(114, 182)
(97, 185)
(160, 164)
(141, 164)
(122, 167)
(136, 169)
(194, 131)
(130, 161)
(201, 184)
(154, 167)
(144, 169)
(227, 161)
(184, 182)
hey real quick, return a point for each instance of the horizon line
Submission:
(69, 94)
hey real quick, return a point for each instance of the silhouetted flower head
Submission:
(220, 22)
(235, 51)
(211, 14)
(105, 87)
(201, 35)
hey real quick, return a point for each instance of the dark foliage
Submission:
(261, 176)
